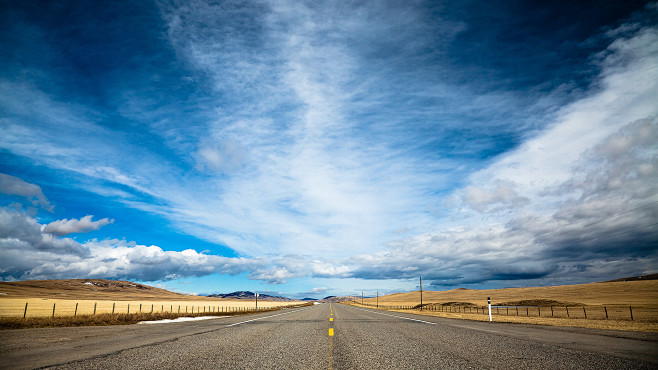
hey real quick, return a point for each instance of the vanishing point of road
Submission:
(328, 336)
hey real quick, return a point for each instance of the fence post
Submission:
(551, 311)
(526, 312)
(606, 312)
(489, 304)
(151, 307)
(53, 310)
(567, 310)
(95, 307)
(584, 312)
(113, 304)
(75, 313)
(631, 309)
(25, 312)
(539, 310)
(140, 308)
(129, 308)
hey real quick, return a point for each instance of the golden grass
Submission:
(623, 292)
(43, 307)
(108, 296)
(615, 297)
(594, 323)
(106, 302)
(110, 319)
(90, 289)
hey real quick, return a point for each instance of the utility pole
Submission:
(256, 301)
(421, 293)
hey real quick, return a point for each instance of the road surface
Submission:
(300, 339)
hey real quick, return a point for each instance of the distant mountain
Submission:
(251, 296)
(332, 298)
(308, 299)
(635, 278)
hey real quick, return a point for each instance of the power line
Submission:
(613, 216)
(623, 232)
(596, 222)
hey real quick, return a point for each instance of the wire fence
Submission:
(82, 308)
(599, 312)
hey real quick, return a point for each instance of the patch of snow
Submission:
(88, 283)
(181, 319)
(314, 303)
(3, 293)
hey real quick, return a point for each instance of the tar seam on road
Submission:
(399, 317)
(266, 317)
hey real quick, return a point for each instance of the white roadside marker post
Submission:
(489, 304)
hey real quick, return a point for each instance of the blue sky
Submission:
(308, 149)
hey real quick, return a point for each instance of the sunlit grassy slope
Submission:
(624, 292)
(108, 296)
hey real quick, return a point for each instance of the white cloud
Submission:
(310, 151)
(502, 194)
(627, 94)
(22, 232)
(583, 193)
(83, 225)
(28, 253)
(305, 181)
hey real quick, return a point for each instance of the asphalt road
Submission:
(300, 339)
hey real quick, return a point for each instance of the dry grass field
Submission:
(88, 289)
(106, 296)
(623, 292)
(583, 305)
(39, 307)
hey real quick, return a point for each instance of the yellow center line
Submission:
(331, 351)
(331, 340)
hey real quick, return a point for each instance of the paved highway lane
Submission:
(393, 340)
(300, 339)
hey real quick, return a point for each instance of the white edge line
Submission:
(399, 317)
(266, 317)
